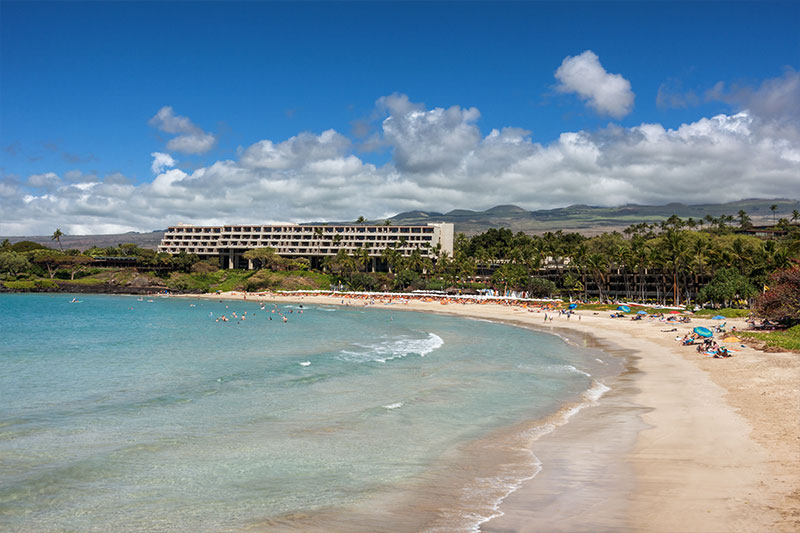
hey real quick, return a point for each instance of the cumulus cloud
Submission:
(608, 94)
(190, 138)
(45, 181)
(439, 161)
(426, 141)
(299, 150)
(161, 161)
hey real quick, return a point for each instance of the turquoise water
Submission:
(125, 415)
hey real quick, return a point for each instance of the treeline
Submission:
(27, 259)
(675, 261)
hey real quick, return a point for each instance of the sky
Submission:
(133, 116)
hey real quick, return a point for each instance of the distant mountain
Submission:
(84, 242)
(591, 219)
(586, 219)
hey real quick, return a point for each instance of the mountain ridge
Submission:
(581, 218)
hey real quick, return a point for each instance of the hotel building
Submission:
(314, 242)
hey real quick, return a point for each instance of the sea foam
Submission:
(394, 348)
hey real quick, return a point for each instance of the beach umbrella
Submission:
(673, 312)
(732, 338)
(573, 306)
(624, 308)
(718, 317)
(641, 312)
(703, 332)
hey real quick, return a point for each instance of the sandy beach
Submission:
(681, 443)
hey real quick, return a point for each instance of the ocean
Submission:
(121, 414)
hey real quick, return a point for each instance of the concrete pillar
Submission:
(230, 260)
(249, 264)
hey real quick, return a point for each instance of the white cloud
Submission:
(45, 181)
(609, 94)
(423, 141)
(192, 140)
(296, 151)
(440, 161)
(161, 161)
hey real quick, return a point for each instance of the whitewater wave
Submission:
(561, 369)
(394, 348)
(397, 405)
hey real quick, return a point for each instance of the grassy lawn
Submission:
(613, 307)
(787, 339)
(84, 281)
(727, 312)
(30, 284)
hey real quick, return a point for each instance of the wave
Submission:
(557, 369)
(396, 348)
(304, 363)
(397, 405)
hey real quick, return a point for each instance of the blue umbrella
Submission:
(718, 317)
(703, 332)
(624, 308)
(573, 306)
(641, 312)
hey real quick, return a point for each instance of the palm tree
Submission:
(795, 215)
(744, 220)
(361, 257)
(57, 234)
(773, 208)
(674, 249)
(361, 220)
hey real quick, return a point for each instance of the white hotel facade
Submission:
(314, 242)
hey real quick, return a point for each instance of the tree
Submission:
(183, 261)
(541, 288)
(75, 264)
(727, 285)
(744, 220)
(781, 298)
(511, 276)
(341, 265)
(57, 234)
(795, 215)
(27, 246)
(267, 257)
(48, 259)
(773, 208)
(360, 220)
(13, 263)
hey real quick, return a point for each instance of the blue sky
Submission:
(250, 88)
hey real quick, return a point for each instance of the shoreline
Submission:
(681, 443)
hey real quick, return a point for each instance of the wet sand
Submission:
(682, 442)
